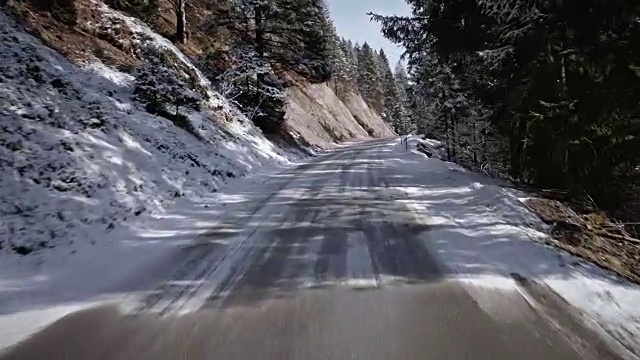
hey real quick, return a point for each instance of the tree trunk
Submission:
(260, 49)
(517, 147)
(475, 143)
(447, 134)
(454, 135)
(181, 21)
(560, 153)
(260, 45)
(483, 140)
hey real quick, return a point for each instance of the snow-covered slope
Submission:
(78, 155)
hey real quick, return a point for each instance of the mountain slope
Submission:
(83, 154)
(317, 115)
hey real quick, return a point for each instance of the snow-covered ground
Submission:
(84, 171)
(484, 234)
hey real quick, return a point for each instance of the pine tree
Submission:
(391, 102)
(369, 79)
(351, 63)
(303, 34)
(401, 110)
(163, 88)
(159, 84)
(341, 71)
(354, 50)
(341, 65)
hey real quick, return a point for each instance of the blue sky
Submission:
(352, 22)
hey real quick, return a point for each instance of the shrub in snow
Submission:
(164, 89)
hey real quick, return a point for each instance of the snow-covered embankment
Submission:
(486, 235)
(93, 187)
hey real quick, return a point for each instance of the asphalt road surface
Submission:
(322, 263)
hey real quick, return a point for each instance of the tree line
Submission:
(546, 91)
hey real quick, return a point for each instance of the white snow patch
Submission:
(490, 281)
(15, 326)
(361, 283)
(112, 77)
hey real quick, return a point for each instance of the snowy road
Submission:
(331, 260)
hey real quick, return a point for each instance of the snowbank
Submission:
(485, 234)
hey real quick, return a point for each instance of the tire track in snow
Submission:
(198, 269)
(211, 276)
(392, 232)
(272, 267)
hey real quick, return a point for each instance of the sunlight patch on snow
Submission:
(116, 77)
(13, 327)
(359, 267)
(413, 191)
(612, 304)
(231, 198)
(133, 144)
(360, 283)
(164, 233)
(488, 280)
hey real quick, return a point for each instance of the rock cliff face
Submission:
(317, 116)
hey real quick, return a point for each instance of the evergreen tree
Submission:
(165, 89)
(351, 56)
(351, 62)
(401, 110)
(369, 79)
(303, 35)
(391, 102)
(354, 50)
(161, 86)
(341, 65)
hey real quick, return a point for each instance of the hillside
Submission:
(86, 157)
(320, 118)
